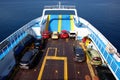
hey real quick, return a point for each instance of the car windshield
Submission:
(72, 33)
(64, 33)
(78, 49)
(24, 61)
(46, 32)
(37, 43)
(55, 34)
(79, 52)
(80, 55)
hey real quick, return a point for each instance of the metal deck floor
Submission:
(56, 63)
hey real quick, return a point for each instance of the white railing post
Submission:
(116, 69)
(111, 62)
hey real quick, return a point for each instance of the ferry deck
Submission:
(57, 63)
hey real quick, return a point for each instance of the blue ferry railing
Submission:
(16, 37)
(13, 40)
(111, 62)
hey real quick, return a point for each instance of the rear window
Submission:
(25, 61)
(27, 56)
(72, 33)
(79, 51)
(55, 34)
(37, 43)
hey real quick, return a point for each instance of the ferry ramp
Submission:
(53, 23)
(60, 22)
(65, 22)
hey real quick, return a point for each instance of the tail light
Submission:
(97, 58)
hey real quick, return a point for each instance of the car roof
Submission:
(72, 31)
(64, 31)
(37, 41)
(46, 32)
(28, 55)
(78, 50)
(94, 53)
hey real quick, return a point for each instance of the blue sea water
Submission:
(103, 14)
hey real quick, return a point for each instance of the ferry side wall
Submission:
(8, 61)
(7, 64)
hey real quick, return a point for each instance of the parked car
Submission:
(18, 49)
(28, 59)
(21, 46)
(28, 40)
(79, 54)
(104, 73)
(94, 56)
(45, 34)
(64, 34)
(38, 44)
(72, 34)
(55, 35)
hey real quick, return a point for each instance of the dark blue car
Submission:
(79, 54)
(28, 59)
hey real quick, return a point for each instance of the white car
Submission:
(72, 34)
(55, 35)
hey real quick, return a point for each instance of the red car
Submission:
(46, 34)
(64, 34)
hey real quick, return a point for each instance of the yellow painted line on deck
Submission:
(66, 40)
(53, 58)
(47, 51)
(71, 23)
(65, 64)
(42, 69)
(92, 73)
(90, 68)
(59, 23)
(47, 24)
(82, 45)
(65, 69)
(55, 51)
(51, 48)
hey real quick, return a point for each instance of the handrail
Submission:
(111, 62)
(16, 35)
(59, 7)
(99, 34)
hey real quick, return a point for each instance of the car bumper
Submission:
(45, 37)
(64, 37)
(24, 67)
(54, 37)
(96, 63)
